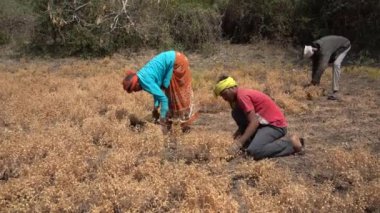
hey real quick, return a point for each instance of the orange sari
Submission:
(180, 92)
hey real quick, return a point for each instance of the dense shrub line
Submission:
(302, 21)
(100, 27)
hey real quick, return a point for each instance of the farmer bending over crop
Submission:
(324, 51)
(168, 78)
(260, 122)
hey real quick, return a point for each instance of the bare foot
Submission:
(298, 143)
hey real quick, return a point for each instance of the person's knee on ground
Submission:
(256, 152)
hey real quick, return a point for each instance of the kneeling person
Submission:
(260, 122)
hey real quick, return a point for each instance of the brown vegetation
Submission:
(66, 143)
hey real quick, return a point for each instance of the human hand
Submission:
(163, 121)
(155, 115)
(234, 149)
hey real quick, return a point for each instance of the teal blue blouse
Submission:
(155, 75)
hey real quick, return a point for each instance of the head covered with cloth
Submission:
(226, 87)
(131, 82)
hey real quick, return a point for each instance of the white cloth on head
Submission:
(308, 51)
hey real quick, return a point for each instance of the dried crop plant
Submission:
(66, 144)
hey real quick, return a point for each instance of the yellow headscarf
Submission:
(224, 84)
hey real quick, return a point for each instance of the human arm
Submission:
(253, 124)
(160, 99)
(163, 104)
(237, 134)
(164, 108)
(320, 63)
(156, 103)
(155, 113)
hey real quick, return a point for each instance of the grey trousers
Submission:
(336, 70)
(266, 143)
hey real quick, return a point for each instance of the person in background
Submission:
(167, 77)
(324, 51)
(261, 124)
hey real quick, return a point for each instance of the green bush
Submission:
(303, 21)
(100, 27)
(16, 22)
(357, 20)
(71, 28)
(247, 19)
(194, 26)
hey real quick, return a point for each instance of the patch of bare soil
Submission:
(349, 123)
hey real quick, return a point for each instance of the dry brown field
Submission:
(66, 144)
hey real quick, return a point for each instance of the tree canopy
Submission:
(101, 27)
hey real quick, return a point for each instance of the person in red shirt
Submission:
(261, 123)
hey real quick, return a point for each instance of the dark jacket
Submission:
(329, 48)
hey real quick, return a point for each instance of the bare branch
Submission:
(80, 7)
(122, 11)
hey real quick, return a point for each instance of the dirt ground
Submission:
(350, 123)
(66, 144)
